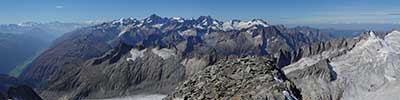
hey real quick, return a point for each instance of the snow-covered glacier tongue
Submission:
(369, 71)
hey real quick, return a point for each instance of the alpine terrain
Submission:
(154, 55)
(240, 50)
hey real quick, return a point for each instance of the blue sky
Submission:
(273, 11)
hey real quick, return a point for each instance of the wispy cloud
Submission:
(396, 14)
(368, 14)
(59, 6)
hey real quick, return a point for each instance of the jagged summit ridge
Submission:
(202, 22)
(242, 78)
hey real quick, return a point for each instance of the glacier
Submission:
(369, 71)
(372, 67)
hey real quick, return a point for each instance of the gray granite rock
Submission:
(246, 78)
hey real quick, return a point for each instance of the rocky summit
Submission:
(238, 78)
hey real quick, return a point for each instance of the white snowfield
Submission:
(179, 19)
(164, 52)
(238, 25)
(125, 24)
(135, 53)
(189, 32)
(370, 71)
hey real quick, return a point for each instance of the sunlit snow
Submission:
(135, 53)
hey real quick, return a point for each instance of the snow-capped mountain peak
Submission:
(179, 19)
(153, 19)
(207, 20)
(202, 23)
(259, 22)
(124, 20)
(372, 34)
(238, 24)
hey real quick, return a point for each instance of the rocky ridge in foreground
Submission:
(235, 78)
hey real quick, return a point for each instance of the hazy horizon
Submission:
(272, 11)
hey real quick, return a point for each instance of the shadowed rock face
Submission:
(315, 81)
(238, 78)
(310, 70)
(152, 55)
(11, 88)
(128, 70)
(114, 74)
(326, 50)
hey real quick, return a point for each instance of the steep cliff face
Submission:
(238, 78)
(317, 51)
(315, 81)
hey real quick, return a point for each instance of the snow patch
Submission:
(135, 53)
(301, 64)
(123, 20)
(278, 79)
(189, 32)
(157, 25)
(390, 78)
(124, 30)
(239, 25)
(179, 19)
(198, 26)
(288, 96)
(308, 61)
(372, 34)
(164, 52)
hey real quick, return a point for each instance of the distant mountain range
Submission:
(352, 26)
(47, 31)
(21, 43)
